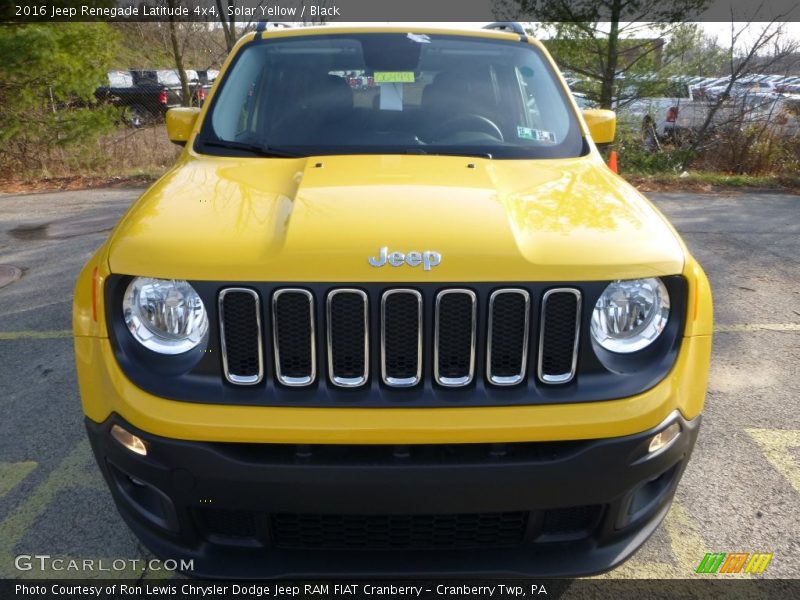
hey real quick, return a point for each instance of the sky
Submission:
(719, 30)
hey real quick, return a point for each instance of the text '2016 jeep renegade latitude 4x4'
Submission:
(390, 312)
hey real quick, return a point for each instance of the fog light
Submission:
(663, 438)
(132, 442)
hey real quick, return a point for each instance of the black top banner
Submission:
(324, 11)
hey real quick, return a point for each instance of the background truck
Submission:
(148, 94)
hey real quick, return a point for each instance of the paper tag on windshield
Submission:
(391, 96)
(539, 135)
(394, 76)
(525, 133)
(544, 136)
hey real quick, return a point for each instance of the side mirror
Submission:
(602, 124)
(180, 122)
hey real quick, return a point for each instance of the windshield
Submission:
(391, 93)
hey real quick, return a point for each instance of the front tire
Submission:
(138, 116)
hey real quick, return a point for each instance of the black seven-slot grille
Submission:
(401, 332)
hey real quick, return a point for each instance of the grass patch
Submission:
(125, 155)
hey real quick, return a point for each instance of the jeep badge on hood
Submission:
(427, 259)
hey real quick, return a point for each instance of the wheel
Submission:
(470, 122)
(138, 116)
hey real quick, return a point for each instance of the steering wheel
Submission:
(470, 122)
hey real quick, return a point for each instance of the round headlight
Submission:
(630, 315)
(165, 315)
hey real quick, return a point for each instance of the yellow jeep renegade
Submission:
(390, 312)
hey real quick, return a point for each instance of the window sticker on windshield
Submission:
(394, 76)
(419, 38)
(526, 133)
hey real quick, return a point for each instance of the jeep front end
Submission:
(390, 313)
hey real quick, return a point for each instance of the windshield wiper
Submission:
(265, 151)
(469, 154)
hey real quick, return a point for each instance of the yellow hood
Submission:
(322, 218)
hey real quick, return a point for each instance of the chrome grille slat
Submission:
(454, 352)
(239, 329)
(397, 375)
(506, 326)
(295, 359)
(555, 326)
(348, 351)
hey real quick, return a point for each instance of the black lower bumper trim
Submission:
(268, 510)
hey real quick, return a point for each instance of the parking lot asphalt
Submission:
(740, 493)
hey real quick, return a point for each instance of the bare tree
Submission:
(177, 52)
(602, 26)
(769, 37)
(228, 21)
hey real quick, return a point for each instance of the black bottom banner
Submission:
(467, 589)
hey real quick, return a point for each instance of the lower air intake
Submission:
(332, 532)
(226, 523)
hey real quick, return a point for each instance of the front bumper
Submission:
(247, 510)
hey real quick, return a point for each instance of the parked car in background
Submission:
(788, 85)
(146, 94)
(790, 90)
(777, 113)
(741, 88)
(208, 76)
(207, 79)
(165, 80)
(700, 90)
(654, 114)
(583, 101)
(197, 86)
(120, 79)
(781, 116)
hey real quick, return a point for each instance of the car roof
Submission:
(379, 28)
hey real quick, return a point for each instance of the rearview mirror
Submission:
(180, 122)
(602, 124)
